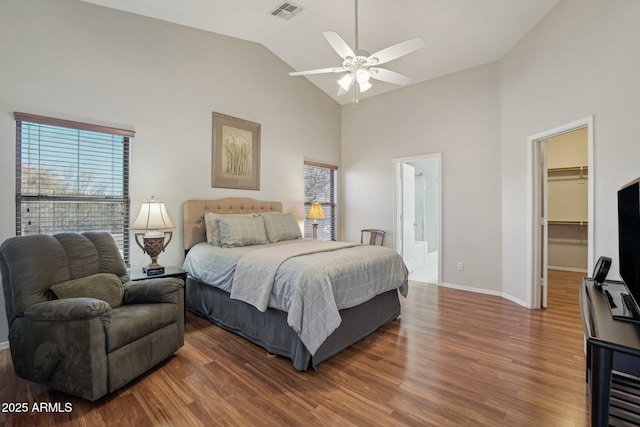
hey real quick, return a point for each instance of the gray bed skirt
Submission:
(270, 329)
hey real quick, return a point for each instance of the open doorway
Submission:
(417, 216)
(562, 204)
(567, 184)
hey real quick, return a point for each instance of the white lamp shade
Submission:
(153, 216)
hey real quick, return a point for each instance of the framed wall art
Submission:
(236, 153)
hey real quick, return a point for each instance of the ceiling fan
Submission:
(361, 66)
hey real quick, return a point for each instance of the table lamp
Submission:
(153, 218)
(315, 213)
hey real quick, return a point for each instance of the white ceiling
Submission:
(459, 34)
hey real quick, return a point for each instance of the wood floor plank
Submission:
(454, 358)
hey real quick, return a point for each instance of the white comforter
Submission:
(310, 287)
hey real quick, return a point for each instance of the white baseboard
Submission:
(516, 300)
(486, 292)
(4, 345)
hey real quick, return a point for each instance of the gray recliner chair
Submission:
(61, 335)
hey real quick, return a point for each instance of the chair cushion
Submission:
(33, 263)
(103, 286)
(82, 256)
(132, 322)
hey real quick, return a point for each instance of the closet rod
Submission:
(570, 169)
(581, 223)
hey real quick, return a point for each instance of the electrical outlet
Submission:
(460, 265)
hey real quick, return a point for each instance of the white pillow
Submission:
(238, 230)
(281, 226)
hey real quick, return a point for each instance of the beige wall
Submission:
(457, 115)
(580, 60)
(70, 59)
(568, 149)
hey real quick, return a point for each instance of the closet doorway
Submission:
(563, 204)
(417, 216)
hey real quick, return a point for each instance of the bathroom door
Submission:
(408, 215)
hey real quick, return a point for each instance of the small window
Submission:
(321, 186)
(72, 177)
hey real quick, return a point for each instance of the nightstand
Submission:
(168, 272)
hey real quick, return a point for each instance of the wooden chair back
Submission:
(372, 236)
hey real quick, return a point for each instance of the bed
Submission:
(298, 298)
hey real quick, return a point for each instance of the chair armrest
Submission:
(153, 291)
(67, 309)
(62, 344)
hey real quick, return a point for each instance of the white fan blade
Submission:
(318, 71)
(338, 44)
(389, 76)
(396, 51)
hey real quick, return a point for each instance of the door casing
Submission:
(535, 243)
(397, 217)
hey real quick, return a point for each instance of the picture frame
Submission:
(236, 153)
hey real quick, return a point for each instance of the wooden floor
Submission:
(455, 358)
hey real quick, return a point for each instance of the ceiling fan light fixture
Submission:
(346, 81)
(360, 66)
(363, 76)
(364, 86)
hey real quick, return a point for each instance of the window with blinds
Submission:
(321, 185)
(72, 177)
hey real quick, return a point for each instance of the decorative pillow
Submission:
(281, 226)
(103, 286)
(212, 229)
(240, 230)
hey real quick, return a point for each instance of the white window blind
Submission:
(72, 177)
(321, 185)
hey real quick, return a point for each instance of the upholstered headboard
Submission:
(194, 231)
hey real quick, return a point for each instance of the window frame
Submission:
(330, 208)
(24, 118)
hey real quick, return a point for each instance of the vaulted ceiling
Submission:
(459, 34)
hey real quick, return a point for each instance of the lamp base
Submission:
(152, 247)
(153, 269)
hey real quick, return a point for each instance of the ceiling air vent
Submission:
(286, 10)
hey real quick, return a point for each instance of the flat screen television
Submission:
(624, 302)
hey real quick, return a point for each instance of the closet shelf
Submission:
(580, 223)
